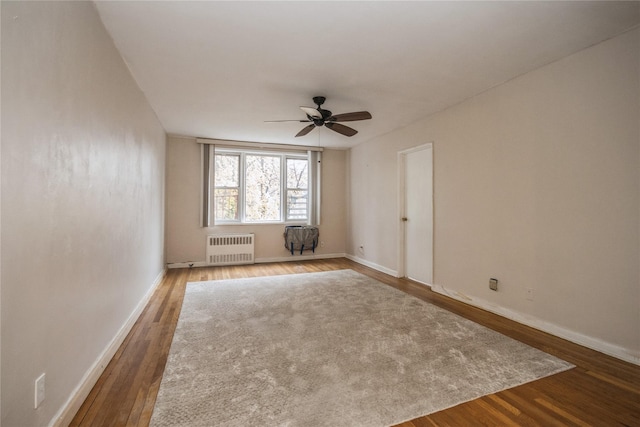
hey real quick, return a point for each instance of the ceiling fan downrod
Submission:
(319, 100)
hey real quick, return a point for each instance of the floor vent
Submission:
(230, 249)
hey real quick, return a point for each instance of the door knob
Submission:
(405, 219)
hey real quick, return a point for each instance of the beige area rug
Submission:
(328, 349)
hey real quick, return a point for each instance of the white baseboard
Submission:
(373, 265)
(187, 264)
(65, 415)
(297, 257)
(618, 352)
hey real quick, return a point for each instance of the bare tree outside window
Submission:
(297, 189)
(253, 187)
(262, 184)
(227, 186)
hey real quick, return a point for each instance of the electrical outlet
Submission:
(529, 294)
(493, 284)
(39, 393)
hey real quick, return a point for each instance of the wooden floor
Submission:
(600, 391)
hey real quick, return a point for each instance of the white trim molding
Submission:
(298, 257)
(373, 265)
(187, 264)
(260, 145)
(294, 257)
(401, 210)
(70, 408)
(628, 355)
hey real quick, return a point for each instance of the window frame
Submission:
(283, 157)
(214, 187)
(285, 182)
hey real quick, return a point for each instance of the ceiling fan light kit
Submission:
(321, 117)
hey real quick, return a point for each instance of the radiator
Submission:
(229, 249)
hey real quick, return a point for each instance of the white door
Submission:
(418, 214)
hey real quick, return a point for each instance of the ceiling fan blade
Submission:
(312, 112)
(305, 130)
(280, 121)
(345, 130)
(350, 117)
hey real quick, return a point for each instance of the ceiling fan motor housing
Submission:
(319, 100)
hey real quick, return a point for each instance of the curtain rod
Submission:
(262, 145)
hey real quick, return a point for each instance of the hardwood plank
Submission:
(512, 409)
(486, 412)
(564, 414)
(618, 382)
(602, 390)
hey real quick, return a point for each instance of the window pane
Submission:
(297, 175)
(262, 182)
(227, 170)
(297, 204)
(226, 204)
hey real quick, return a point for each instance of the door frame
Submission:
(402, 208)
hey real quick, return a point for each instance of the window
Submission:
(297, 189)
(261, 187)
(227, 187)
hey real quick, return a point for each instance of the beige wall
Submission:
(186, 239)
(537, 183)
(82, 201)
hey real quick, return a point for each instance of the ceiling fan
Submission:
(321, 117)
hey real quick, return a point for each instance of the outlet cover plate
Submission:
(529, 294)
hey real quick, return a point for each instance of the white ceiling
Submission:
(220, 69)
